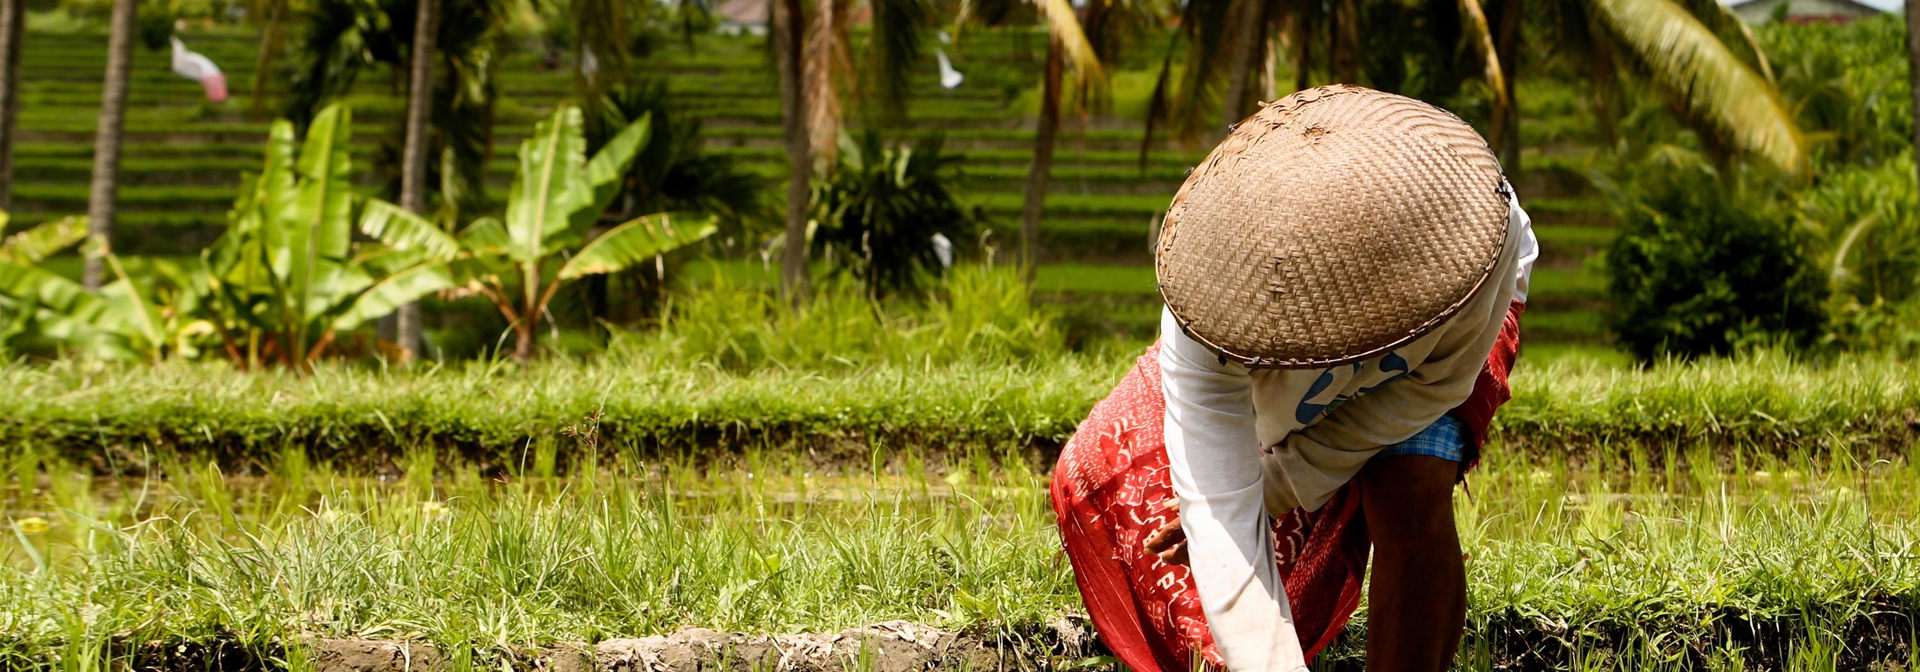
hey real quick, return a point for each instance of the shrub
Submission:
(1868, 222)
(886, 213)
(1697, 269)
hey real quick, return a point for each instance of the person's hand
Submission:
(1170, 541)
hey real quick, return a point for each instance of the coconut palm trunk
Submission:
(13, 21)
(413, 176)
(106, 140)
(1913, 71)
(1043, 141)
(788, 33)
(1343, 49)
(1301, 32)
(270, 36)
(1506, 42)
(1249, 48)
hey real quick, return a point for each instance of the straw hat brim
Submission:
(1332, 226)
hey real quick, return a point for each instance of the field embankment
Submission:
(646, 407)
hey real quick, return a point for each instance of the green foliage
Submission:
(341, 39)
(146, 315)
(558, 196)
(286, 276)
(656, 396)
(1701, 268)
(1848, 86)
(878, 213)
(1868, 223)
(673, 172)
(1767, 561)
(977, 314)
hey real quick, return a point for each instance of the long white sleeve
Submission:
(1213, 455)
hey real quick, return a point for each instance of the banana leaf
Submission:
(548, 188)
(385, 295)
(32, 245)
(637, 241)
(320, 232)
(606, 168)
(396, 228)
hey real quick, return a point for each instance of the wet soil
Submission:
(895, 646)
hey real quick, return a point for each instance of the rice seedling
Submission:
(1789, 562)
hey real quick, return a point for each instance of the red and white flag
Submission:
(196, 67)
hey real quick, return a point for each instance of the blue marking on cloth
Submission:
(1393, 366)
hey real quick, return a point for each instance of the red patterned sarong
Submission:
(1108, 489)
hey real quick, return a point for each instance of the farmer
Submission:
(1344, 277)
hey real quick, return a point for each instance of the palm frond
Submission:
(1180, 103)
(1473, 25)
(1063, 25)
(893, 50)
(1684, 56)
(1733, 32)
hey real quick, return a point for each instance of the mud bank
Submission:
(895, 646)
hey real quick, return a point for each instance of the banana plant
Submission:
(23, 292)
(286, 277)
(139, 316)
(558, 194)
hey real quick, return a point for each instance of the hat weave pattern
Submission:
(1331, 226)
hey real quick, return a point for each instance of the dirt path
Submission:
(894, 646)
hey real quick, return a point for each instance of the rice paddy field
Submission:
(745, 486)
(1732, 515)
(1793, 564)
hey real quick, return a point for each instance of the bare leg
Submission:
(1417, 600)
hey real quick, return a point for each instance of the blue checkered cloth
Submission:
(1446, 439)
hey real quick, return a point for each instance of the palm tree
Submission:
(446, 137)
(413, 172)
(1070, 45)
(811, 57)
(106, 140)
(1700, 55)
(1913, 74)
(13, 21)
(788, 40)
(1046, 132)
(1696, 52)
(271, 15)
(1232, 41)
(344, 38)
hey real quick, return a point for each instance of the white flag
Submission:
(949, 77)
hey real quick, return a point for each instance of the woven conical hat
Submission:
(1331, 226)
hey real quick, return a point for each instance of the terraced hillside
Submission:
(184, 157)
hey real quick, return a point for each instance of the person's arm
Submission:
(1213, 456)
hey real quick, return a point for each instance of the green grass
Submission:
(470, 562)
(1097, 280)
(847, 382)
(1569, 565)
